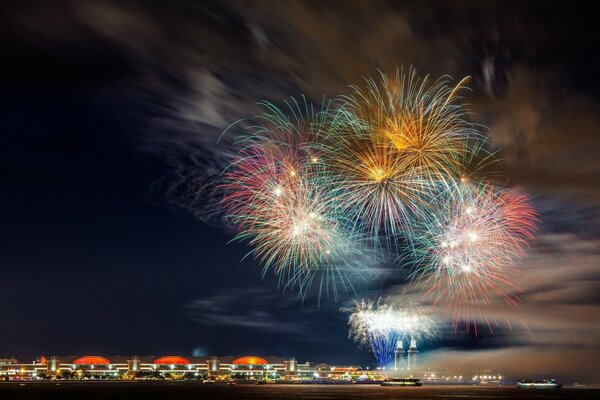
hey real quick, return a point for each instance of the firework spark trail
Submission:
(380, 326)
(464, 253)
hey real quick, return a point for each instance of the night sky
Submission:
(112, 240)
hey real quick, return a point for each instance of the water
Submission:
(178, 390)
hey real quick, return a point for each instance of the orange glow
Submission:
(91, 360)
(43, 360)
(249, 360)
(172, 360)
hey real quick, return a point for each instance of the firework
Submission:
(380, 326)
(324, 192)
(374, 185)
(465, 251)
(278, 202)
(401, 136)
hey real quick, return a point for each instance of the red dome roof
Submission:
(249, 360)
(171, 360)
(92, 360)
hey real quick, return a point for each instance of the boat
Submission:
(538, 384)
(402, 382)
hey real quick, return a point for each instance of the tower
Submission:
(133, 365)
(412, 354)
(291, 368)
(52, 365)
(398, 354)
(213, 365)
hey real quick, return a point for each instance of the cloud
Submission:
(246, 308)
(547, 138)
(198, 67)
(264, 310)
(572, 365)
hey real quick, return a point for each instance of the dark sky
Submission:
(111, 240)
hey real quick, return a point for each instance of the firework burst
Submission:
(375, 187)
(464, 253)
(277, 199)
(380, 326)
(401, 137)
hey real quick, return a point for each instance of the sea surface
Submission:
(198, 391)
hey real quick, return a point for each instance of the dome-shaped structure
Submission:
(249, 360)
(172, 360)
(91, 360)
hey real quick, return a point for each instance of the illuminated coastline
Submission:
(247, 368)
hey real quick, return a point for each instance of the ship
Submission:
(402, 382)
(539, 384)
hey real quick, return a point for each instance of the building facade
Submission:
(212, 368)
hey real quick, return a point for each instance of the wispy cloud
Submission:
(261, 310)
(246, 308)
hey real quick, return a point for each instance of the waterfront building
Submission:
(225, 368)
(271, 368)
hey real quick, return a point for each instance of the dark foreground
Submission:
(179, 391)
